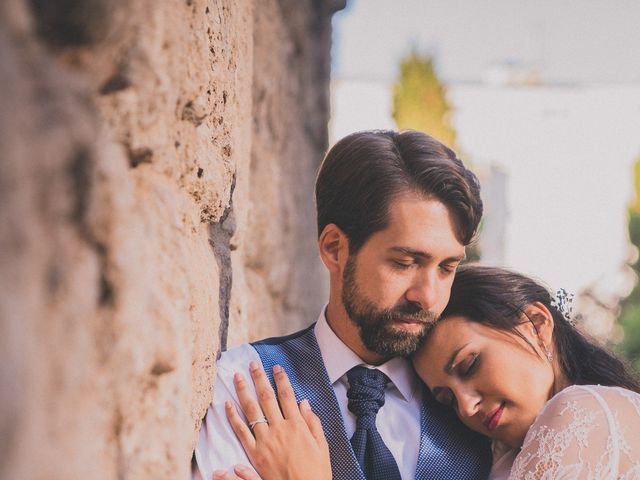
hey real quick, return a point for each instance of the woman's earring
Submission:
(548, 353)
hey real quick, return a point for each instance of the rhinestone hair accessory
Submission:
(563, 302)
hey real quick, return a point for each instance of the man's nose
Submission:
(424, 290)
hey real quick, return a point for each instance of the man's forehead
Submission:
(409, 210)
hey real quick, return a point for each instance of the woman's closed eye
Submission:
(469, 366)
(465, 369)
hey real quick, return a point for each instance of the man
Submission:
(395, 212)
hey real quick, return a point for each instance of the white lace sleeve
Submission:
(584, 432)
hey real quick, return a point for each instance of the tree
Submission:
(419, 99)
(630, 314)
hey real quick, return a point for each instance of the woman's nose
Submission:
(468, 402)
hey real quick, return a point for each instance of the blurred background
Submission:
(542, 100)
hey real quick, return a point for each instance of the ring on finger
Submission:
(262, 419)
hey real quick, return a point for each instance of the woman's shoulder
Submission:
(578, 398)
(586, 410)
(584, 431)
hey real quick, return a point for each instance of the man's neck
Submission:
(349, 333)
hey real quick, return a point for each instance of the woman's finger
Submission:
(245, 473)
(240, 428)
(241, 472)
(286, 397)
(222, 475)
(250, 408)
(264, 392)
(313, 422)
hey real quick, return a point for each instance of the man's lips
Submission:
(408, 322)
(411, 320)
(492, 418)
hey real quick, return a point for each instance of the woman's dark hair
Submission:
(497, 298)
(365, 171)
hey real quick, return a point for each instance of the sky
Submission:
(568, 41)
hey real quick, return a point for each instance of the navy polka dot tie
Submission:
(366, 397)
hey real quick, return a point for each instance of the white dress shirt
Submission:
(398, 421)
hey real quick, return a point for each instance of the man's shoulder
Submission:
(238, 358)
(286, 338)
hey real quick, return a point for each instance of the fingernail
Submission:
(227, 404)
(277, 369)
(237, 377)
(218, 474)
(304, 405)
(253, 366)
(241, 468)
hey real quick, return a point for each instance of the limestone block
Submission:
(156, 182)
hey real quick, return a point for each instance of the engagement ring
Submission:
(262, 419)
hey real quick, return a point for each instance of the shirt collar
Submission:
(339, 359)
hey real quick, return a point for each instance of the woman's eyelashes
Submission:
(469, 366)
(465, 369)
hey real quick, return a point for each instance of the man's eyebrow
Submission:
(449, 367)
(410, 252)
(418, 254)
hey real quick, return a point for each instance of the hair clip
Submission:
(563, 302)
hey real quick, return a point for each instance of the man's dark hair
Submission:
(365, 171)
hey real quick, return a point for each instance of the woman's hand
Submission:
(241, 472)
(291, 446)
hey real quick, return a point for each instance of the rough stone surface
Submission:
(157, 162)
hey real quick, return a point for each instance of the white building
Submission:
(557, 167)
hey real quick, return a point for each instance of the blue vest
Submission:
(448, 450)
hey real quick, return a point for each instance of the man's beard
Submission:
(375, 324)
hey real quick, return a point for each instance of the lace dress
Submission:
(583, 432)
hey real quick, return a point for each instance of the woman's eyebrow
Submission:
(449, 366)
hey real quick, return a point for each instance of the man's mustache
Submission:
(412, 312)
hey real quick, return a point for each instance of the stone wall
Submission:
(157, 162)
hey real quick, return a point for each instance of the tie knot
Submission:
(366, 394)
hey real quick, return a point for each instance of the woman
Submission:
(512, 367)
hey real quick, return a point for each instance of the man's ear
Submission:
(334, 248)
(541, 322)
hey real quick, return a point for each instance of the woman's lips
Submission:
(492, 419)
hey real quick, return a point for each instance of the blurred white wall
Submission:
(557, 166)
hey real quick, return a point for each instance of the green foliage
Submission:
(419, 99)
(630, 314)
(630, 346)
